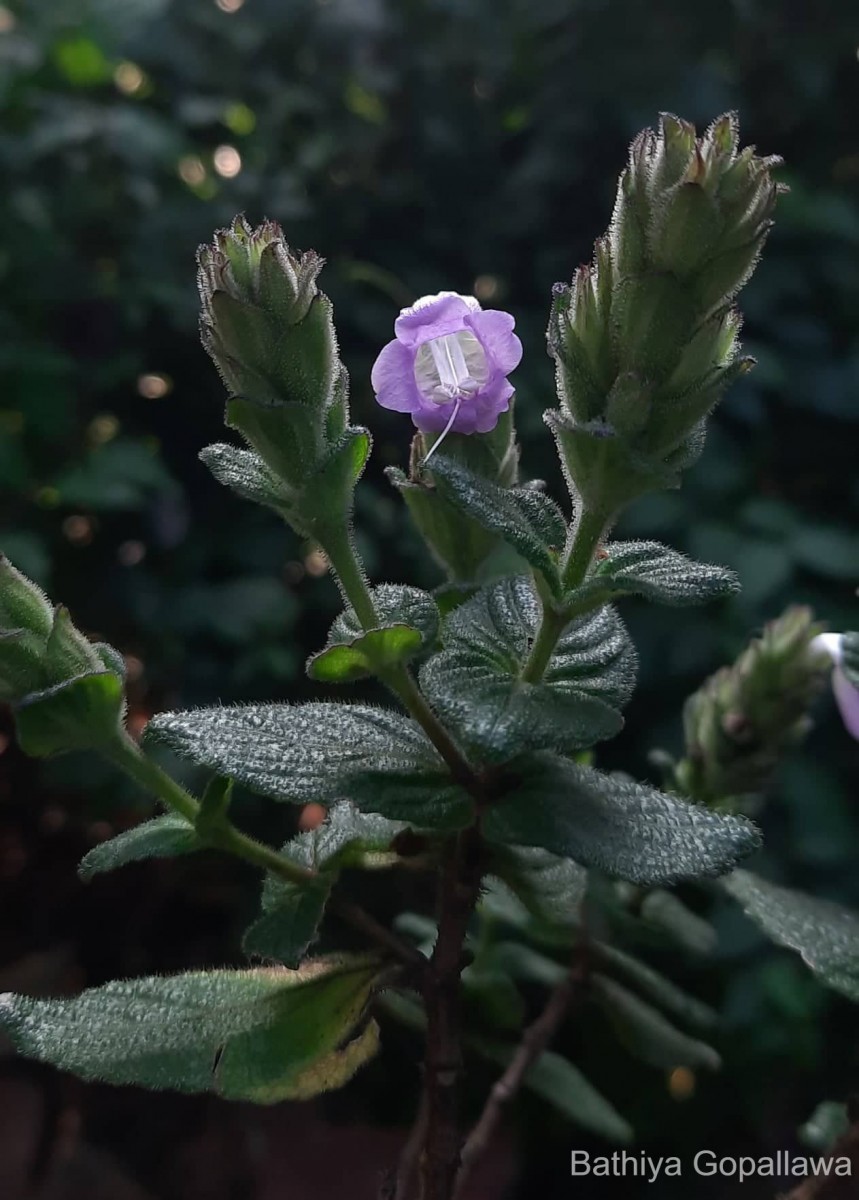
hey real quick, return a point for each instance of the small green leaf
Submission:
(476, 687)
(627, 829)
(647, 1034)
(374, 651)
(551, 888)
(658, 573)
(655, 987)
(247, 475)
(669, 914)
(322, 752)
(292, 912)
(265, 1035)
(525, 518)
(344, 839)
(81, 714)
(557, 1081)
(162, 837)
(327, 494)
(460, 545)
(824, 934)
(493, 998)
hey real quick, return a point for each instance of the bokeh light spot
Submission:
(227, 161)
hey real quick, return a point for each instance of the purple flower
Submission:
(448, 364)
(846, 694)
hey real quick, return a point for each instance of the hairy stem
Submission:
(534, 1041)
(128, 756)
(340, 548)
(459, 891)
(589, 532)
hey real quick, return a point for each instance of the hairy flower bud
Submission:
(744, 718)
(270, 332)
(645, 339)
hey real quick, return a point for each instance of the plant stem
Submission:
(460, 888)
(339, 545)
(589, 532)
(128, 756)
(340, 548)
(534, 1041)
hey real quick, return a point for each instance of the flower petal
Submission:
(432, 317)
(847, 699)
(494, 330)
(393, 378)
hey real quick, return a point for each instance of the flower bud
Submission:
(66, 692)
(270, 332)
(746, 716)
(655, 306)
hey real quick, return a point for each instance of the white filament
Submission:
(444, 432)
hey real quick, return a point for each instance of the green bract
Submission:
(66, 692)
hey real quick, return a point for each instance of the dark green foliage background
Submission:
(422, 145)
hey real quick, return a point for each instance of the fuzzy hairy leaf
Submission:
(291, 912)
(647, 1034)
(162, 837)
(80, 714)
(376, 758)
(246, 474)
(824, 934)
(395, 604)
(525, 518)
(557, 1081)
(373, 651)
(658, 573)
(265, 1034)
(290, 919)
(476, 687)
(551, 888)
(627, 829)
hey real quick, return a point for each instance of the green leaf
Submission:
(564, 1087)
(328, 491)
(460, 546)
(655, 987)
(81, 714)
(670, 915)
(322, 752)
(247, 475)
(658, 573)
(627, 829)
(408, 625)
(551, 888)
(374, 651)
(162, 837)
(266, 1034)
(646, 1033)
(824, 934)
(475, 683)
(395, 604)
(525, 518)
(492, 998)
(291, 912)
